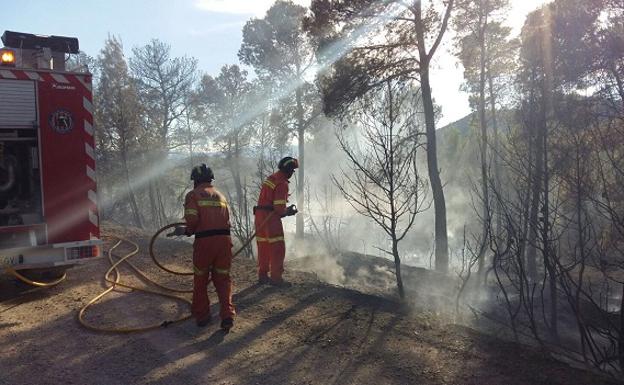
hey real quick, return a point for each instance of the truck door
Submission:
(20, 176)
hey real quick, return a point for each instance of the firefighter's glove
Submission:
(178, 231)
(291, 210)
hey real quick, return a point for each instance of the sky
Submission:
(209, 30)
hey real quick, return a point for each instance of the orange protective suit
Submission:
(269, 231)
(207, 216)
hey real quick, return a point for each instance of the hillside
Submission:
(311, 333)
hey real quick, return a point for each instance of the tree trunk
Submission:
(247, 224)
(241, 213)
(301, 177)
(136, 213)
(190, 138)
(153, 205)
(162, 214)
(397, 266)
(439, 204)
(582, 252)
(618, 82)
(441, 237)
(621, 337)
(235, 167)
(535, 145)
(483, 150)
(531, 258)
(496, 155)
(105, 196)
(549, 257)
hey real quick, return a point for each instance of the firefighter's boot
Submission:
(226, 324)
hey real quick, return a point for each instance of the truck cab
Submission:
(48, 195)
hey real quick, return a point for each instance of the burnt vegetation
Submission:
(538, 239)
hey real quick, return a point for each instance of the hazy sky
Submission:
(209, 30)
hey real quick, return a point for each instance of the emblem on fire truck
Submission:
(61, 121)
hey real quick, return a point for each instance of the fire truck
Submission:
(48, 196)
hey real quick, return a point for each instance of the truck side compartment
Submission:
(48, 195)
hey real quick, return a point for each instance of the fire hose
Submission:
(19, 276)
(116, 281)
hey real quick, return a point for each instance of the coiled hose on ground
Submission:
(164, 290)
(116, 282)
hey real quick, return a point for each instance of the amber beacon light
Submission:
(7, 57)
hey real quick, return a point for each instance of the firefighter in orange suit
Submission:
(207, 216)
(269, 212)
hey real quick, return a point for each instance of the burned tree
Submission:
(383, 182)
(558, 257)
(485, 52)
(364, 43)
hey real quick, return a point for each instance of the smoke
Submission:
(324, 266)
(354, 232)
(359, 259)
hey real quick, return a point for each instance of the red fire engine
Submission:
(48, 200)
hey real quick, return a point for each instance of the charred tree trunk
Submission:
(247, 224)
(496, 154)
(301, 176)
(392, 175)
(397, 267)
(535, 147)
(439, 203)
(485, 191)
(583, 255)
(549, 256)
(441, 237)
(621, 334)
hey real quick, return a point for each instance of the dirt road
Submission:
(311, 333)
